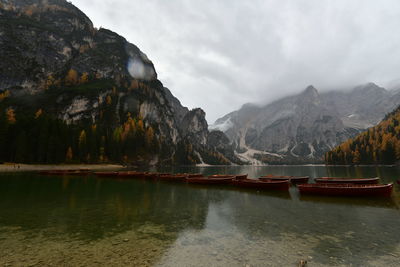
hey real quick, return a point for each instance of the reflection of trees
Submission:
(93, 208)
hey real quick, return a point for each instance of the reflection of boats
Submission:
(213, 179)
(350, 201)
(346, 189)
(398, 181)
(106, 174)
(340, 180)
(263, 184)
(292, 179)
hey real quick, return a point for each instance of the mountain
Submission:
(71, 92)
(377, 145)
(301, 128)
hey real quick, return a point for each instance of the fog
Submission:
(218, 55)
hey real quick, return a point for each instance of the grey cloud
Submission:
(221, 54)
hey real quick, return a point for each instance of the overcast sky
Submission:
(220, 54)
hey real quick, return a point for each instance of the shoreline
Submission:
(11, 167)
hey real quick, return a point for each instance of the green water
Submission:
(78, 221)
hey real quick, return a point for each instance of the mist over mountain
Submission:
(240, 52)
(302, 127)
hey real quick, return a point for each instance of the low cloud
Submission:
(218, 55)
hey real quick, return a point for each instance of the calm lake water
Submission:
(78, 221)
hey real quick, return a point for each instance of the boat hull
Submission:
(263, 184)
(347, 180)
(172, 178)
(292, 179)
(210, 180)
(346, 189)
(131, 175)
(65, 172)
(241, 177)
(106, 174)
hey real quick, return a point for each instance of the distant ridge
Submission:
(302, 128)
(378, 145)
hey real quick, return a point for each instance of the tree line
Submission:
(377, 145)
(41, 138)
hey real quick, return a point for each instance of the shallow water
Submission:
(76, 221)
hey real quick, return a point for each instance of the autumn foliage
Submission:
(72, 77)
(377, 145)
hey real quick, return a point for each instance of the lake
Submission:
(86, 221)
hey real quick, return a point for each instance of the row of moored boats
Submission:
(321, 186)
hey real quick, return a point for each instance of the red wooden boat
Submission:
(340, 180)
(162, 173)
(173, 177)
(263, 184)
(190, 175)
(346, 189)
(212, 179)
(131, 174)
(292, 179)
(194, 175)
(221, 176)
(151, 175)
(65, 172)
(106, 174)
(79, 172)
(51, 172)
(241, 176)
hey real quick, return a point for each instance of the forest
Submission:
(33, 134)
(377, 145)
(30, 132)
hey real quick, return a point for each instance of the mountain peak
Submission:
(310, 90)
(309, 94)
(369, 87)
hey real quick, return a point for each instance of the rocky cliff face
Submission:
(363, 106)
(54, 60)
(301, 128)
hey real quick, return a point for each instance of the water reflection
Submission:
(195, 225)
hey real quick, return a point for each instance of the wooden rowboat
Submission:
(213, 179)
(340, 180)
(106, 174)
(190, 175)
(65, 172)
(79, 173)
(241, 176)
(346, 189)
(51, 172)
(193, 175)
(221, 176)
(173, 177)
(292, 179)
(263, 184)
(131, 175)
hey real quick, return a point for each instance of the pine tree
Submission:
(69, 155)
(84, 78)
(11, 116)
